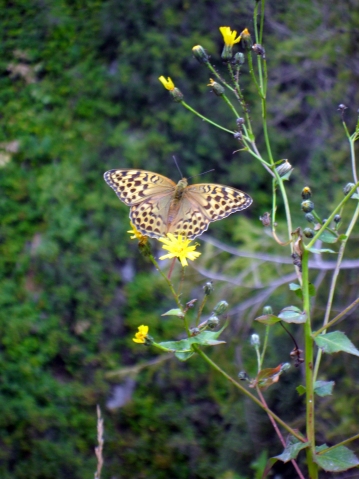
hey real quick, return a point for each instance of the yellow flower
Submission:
(229, 37)
(168, 84)
(140, 336)
(137, 235)
(178, 248)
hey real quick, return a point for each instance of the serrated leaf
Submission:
(292, 314)
(292, 449)
(174, 312)
(301, 390)
(334, 342)
(336, 460)
(323, 388)
(328, 237)
(323, 250)
(268, 319)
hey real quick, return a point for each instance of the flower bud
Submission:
(285, 367)
(324, 221)
(239, 58)
(208, 288)
(284, 168)
(347, 188)
(310, 218)
(149, 340)
(194, 331)
(213, 322)
(240, 121)
(308, 233)
(255, 340)
(246, 39)
(259, 50)
(200, 54)
(337, 219)
(306, 193)
(217, 88)
(243, 376)
(307, 206)
(177, 95)
(220, 308)
(265, 219)
(342, 107)
(267, 310)
(238, 135)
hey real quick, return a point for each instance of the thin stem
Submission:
(337, 318)
(214, 71)
(225, 98)
(343, 443)
(248, 394)
(266, 335)
(175, 295)
(206, 119)
(200, 309)
(279, 434)
(240, 97)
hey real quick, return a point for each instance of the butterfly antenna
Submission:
(200, 174)
(178, 168)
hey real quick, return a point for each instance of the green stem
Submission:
(309, 352)
(213, 70)
(343, 443)
(200, 309)
(327, 223)
(183, 103)
(248, 394)
(337, 318)
(240, 97)
(266, 335)
(225, 98)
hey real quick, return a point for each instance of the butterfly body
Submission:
(159, 206)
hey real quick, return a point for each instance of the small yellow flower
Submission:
(168, 84)
(137, 235)
(178, 248)
(229, 37)
(140, 336)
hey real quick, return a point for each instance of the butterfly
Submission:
(160, 206)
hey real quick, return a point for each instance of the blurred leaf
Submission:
(336, 460)
(292, 448)
(292, 314)
(334, 342)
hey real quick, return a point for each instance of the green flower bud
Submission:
(149, 340)
(285, 367)
(347, 188)
(337, 219)
(177, 95)
(307, 206)
(310, 218)
(284, 168)
(255, 340)
(194, 331)
(217, 88)
(200, 54)
(239, 58)
(267, 310)
(308, 233)
(324, 221)
(306, 193)
(220, 308)
(213, 322)
(208, 288)
(246, 39)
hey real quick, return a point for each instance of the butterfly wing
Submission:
(135, 186)
(149, 196)
(204, 203)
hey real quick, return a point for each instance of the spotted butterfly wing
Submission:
(159, 206)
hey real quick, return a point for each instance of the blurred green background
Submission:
(79, 94)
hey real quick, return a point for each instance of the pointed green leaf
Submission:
(184, 356)
(336, 460)
(173, 312)
(292, 314)
(334, 342)
(292, 449)
(328, 237)
(355, 196)
(301, 390)
(323, 388)
(323, 250)
(268, 319)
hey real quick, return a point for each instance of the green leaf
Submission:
(184, 356)
(292, 449)
(174, 312)
(328, 237)
(323, 250)
(268, 319)
(336, 460)
(355, 196)
(294, 286)
(334, 342)
(342, 237)
(323, 388)
(292, 314)
(301, 390)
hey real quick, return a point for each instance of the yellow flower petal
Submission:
(229, 37)
(168, 84)
(179, 248)
(141, 334)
